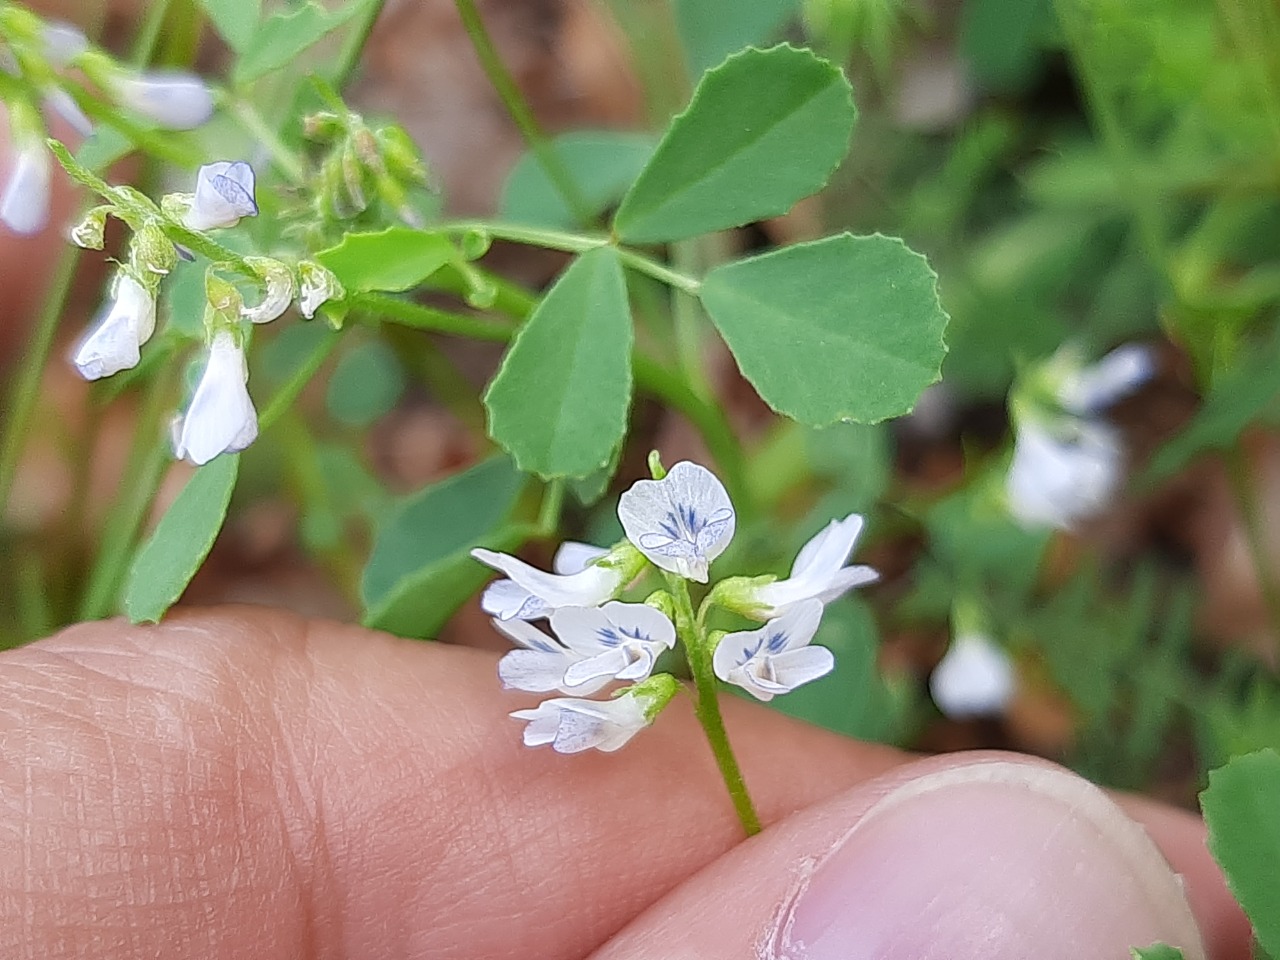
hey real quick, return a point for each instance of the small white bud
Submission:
(56, 100)
(279, 290)
(316, 286)
(90, 232)
(62, 42)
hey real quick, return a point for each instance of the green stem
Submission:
(355, 43)
(1247, 504)
(578, 243)
(144, 45)
(410, 314)
(285, 160)
(144, 470)
(288, 391)
(26, 386)
(518, 108)
(707, 705)
(552, 505)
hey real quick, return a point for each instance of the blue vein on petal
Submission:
(611, 636)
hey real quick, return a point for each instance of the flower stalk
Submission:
(707, 705)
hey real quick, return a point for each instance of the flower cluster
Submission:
(37, 56)
(1067, 461)
(220, 417)
(677, 524)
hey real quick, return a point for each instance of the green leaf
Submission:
(235, 20)
(1242, 810)
(103, 147)
(846, 328)
(765, 129)
(602, 164)
(1157, 951)
(419, 571)
(398, 258)
(282, 37)
(712, 29)
(366, 384)
(559, 402)
(182, 539)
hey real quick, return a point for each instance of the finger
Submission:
(243, 783)
(959, 857)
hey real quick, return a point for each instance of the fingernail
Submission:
(989, 860)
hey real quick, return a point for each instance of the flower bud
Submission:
(279, 290)
(317, 285)
(57, 100)
(152, 253)
(89, 232)
(224, 299)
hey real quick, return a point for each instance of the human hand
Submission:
(244, 783)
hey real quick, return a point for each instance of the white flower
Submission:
(224, 194)
(280, 289)
(571, 725)
(819, 571)
(62, 42)
(682, 522)
(540, 665)
(974, 679)
(1058, 480)
(616, 641)
(172, 98)
(1093, 389)
(115, 342)
(58, 101)
(24, 206)
(777, 658)
(531, 593)
(221, 417)
(317, 285)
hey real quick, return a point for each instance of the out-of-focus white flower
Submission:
(56, 100)
(572, 725)
(172, 98)
(681, 522)
(317, 285)
(539, 665)
(778, 657)
(277, 281)
(221, 417)
(24, 205)
(115, 341)
(974, 679)
(1089, 391)
(616, 641)
(62, 42)
(1059, 479)
(224, 194)
(819, 572)
(530, 593)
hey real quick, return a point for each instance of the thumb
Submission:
(948, 858)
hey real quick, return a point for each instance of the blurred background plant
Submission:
(1079, 173)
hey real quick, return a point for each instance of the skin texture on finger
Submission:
(244, 783)
(957, 857)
